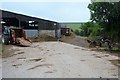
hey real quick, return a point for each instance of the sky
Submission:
(55, 11)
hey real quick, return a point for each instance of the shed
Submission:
(33, 26)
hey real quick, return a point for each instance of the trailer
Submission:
(18, 37)
(66, 31)
(15, 36)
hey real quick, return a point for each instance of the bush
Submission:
(77, 32)
(90, 29)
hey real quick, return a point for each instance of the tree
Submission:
(90, 29)
(85, 28)
(107, 14)
(77, 32)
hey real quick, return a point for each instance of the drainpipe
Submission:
(55, 29)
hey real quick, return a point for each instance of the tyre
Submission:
(5, 39)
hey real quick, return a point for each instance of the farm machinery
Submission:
(14, 36)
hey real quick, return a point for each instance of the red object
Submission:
(65, 31)
(17, 36)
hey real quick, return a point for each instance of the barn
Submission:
(33, 26)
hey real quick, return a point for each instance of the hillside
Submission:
(73, 25)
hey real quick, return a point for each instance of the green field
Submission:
(73, 26)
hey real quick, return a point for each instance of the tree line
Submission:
(104, 21)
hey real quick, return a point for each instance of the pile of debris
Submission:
(103, 42)
(42, 38)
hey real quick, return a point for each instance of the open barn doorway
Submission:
(29, 25)
(10, 22)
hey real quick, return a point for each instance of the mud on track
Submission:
(57, 60)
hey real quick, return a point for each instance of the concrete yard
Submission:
(57, 60)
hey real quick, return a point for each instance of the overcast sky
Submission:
(56, 11)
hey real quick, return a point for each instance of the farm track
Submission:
(57, 60)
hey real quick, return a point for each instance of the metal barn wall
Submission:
(47, 32)
(35, 33)
(31, 33)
